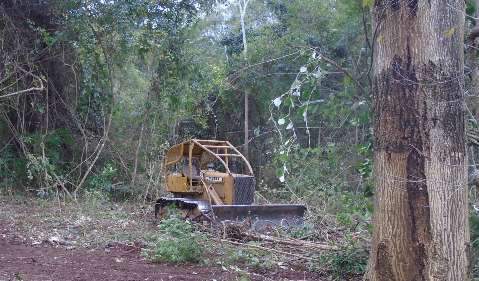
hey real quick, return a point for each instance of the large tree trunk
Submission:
(421, 223)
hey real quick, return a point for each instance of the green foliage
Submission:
(368, 3)
(301, 232)
(250, 257)
(12, 169)
(474, 229)
(104, 182)
(45, 159)
(365, 169)
(317, 169)
(177, 241)
(350, 261)
(95, 199)
(352, 210)
(39, 169)
(321, 178)
(470, 10)
(52, 144)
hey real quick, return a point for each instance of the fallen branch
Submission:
(291, 242)
(269, 250)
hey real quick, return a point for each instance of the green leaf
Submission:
(368, 3)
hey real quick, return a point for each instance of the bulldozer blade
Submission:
(192, 209)
(262, 216)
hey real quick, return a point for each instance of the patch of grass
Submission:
(251, 258)
(176, 241)
(81, 223)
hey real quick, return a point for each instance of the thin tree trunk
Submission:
(246, 123)
(243, 4)
(137, 153)
(98, 151)
(421, 227)
(243, 28)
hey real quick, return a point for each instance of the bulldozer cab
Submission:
(209, 169)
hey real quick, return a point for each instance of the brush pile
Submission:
(241, 235)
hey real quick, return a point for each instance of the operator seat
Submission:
(195, 171)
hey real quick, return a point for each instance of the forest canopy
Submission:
(109, 84)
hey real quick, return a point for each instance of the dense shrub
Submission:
(176, 242)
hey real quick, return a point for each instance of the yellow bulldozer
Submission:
(211, 180)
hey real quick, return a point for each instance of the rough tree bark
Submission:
(421, 227)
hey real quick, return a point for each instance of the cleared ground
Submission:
(47, 240)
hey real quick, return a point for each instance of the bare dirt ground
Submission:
(20, 261)
(44, 241)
